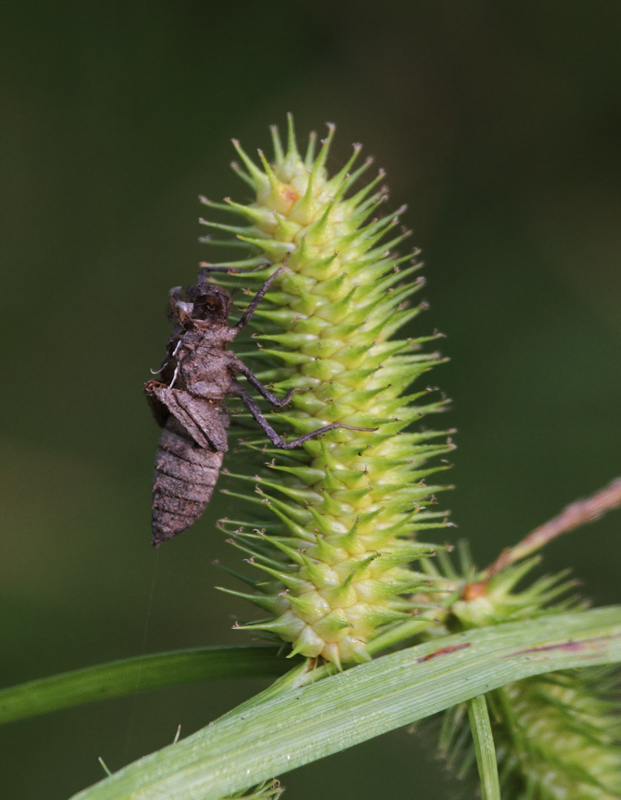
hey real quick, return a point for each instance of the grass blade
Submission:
(484, 748)
(139, 674)
(309, 722)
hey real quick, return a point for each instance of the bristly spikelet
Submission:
(559, 734)
(339, 513)
(556, 735)
(269, 790)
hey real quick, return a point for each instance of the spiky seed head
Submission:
(344, 508)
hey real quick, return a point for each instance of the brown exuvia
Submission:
(188, 402)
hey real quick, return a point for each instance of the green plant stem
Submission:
(304, 724)
(484, 747)
(140, 674)
(573, 516)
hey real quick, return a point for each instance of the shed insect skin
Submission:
(188, 401)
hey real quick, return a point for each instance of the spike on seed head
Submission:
(279, 155)
(292, 148)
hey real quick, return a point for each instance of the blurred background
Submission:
(498, 123)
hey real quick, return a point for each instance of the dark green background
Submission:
(500, 125)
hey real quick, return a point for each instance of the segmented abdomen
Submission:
(183, 482)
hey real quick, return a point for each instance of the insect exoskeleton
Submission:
(188, 401)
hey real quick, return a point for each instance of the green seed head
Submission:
(338, 515)
(556, 735)
(269, 790)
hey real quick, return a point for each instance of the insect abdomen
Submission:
(184, 479)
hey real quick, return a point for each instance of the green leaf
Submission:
(484, 748)
(133, 675)
(308, 722)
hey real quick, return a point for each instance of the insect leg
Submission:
(166, 360)
(157, 371)
(174, 378)
(277, 440)
(257, 299)
(254, 381)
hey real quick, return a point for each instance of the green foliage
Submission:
(353, 501)
(333, 532)
(308, 719)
